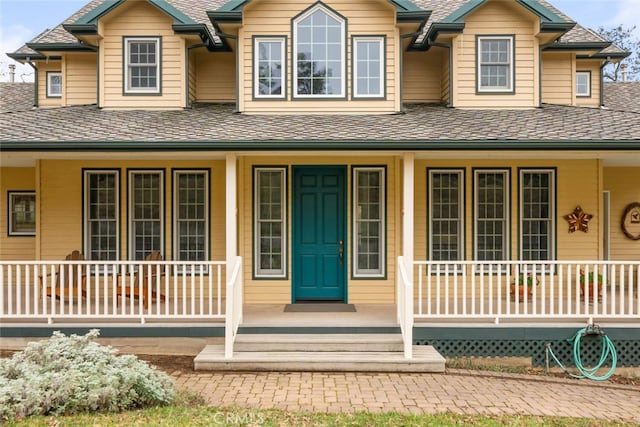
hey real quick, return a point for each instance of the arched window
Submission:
(319, 52)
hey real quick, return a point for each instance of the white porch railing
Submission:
(97, 291)
(550, 291)
(404, 298)
(234, 308)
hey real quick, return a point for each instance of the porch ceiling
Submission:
(28, 158)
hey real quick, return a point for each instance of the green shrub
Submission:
(65, 375)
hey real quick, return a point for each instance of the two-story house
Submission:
(382, 153)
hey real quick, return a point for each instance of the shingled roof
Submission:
(622, 96)
(197, 11)
(16, 97)
(422, 124)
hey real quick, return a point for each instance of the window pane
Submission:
(446, 215)
(495, 64)
(369, 222)
(368, 64)
(102, 215)
(191, 216)
(491, 215)
(269, 78)
(146, 213)
(143, 65)
(270, 222)
(536, 215)
(319, 54)
(22, 213)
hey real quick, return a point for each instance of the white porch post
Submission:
(407, 212)
(231, 250)
(407, 251)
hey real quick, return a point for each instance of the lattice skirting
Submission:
(591, 346)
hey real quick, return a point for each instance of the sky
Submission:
(21, 20)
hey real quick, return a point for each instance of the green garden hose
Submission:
(608, 351)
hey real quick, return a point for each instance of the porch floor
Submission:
(273, 315)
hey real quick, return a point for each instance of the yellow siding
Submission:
(215, 76)
(279, 291)
(15, 247)
(594, 68)
(141, 19)
(61, 203)
(623, 185)
(421, 76)
(570, 246)
(43, 67)
(274, 18)
(80, 78)
(557, 78)
(497, 18)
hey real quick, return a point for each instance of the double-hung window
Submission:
(495, 63)
(368, 67)
(142, 65)
(22, 213)
(101, 214)
(191, 215)
(269, 69)
(446, 230)
(270, 213)
(54, 84)
(491, 215)
(369, 222)
(146, 213)
(319, 54)
(583, 84)
(537, 211)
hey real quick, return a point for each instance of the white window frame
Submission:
(511, 66)
(294, 56)
(356, 64)
(282, 40)
(552, 209)
(50, 92)
(176, 211)
(506, 220)
(131, 207)
(461, 222)
(382, 256)
(12, 212)
(587, 75)
(87, 221)
(128, 89)
(259, 272)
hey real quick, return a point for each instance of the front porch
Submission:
(205, 294)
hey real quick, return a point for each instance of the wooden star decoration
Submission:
(578, 220)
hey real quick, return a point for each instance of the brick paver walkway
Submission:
(457, 391)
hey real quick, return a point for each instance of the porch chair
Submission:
(75, 278)
(141, 282)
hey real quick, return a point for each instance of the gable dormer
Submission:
(331, 56)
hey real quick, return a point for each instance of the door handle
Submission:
(341, 251)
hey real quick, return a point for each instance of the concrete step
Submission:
(318, 342)
(425, 359)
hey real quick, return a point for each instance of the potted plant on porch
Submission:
(591, 285)
(521, 284)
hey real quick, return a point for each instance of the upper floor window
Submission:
(368, 67)
(54, 84)
(269, 68)
(583, 83)
(495, 63)
(142, 65)
(319, 52)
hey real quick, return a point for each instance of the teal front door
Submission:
(319, 233)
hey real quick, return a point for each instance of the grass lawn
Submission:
(186, 415)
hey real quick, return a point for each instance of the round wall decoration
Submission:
(631, 221)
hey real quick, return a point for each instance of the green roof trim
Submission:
(61, 47)
(545, 14)
(109, 5)
(578, 46)
(305, 145)
(406, 5)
